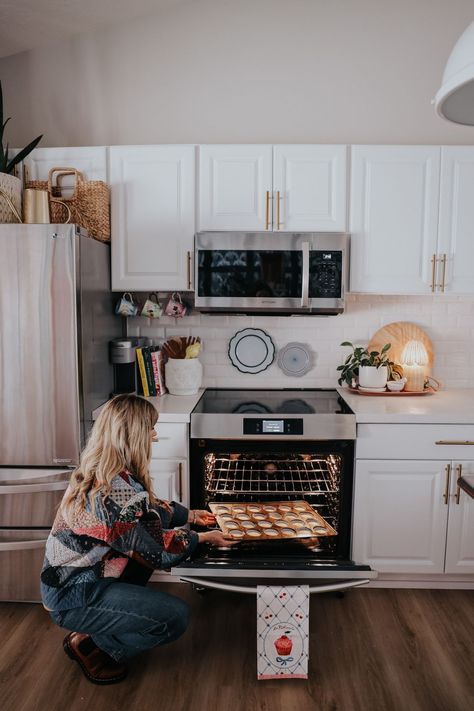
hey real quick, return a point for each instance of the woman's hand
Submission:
(202, 518)
(217, 538)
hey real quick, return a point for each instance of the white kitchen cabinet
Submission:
(394, 218)
(169, 478)
(235, 184)
(263, 187)
(460, 538)
(153, 209)
(455, 252)
(89, 160)
(400, 515)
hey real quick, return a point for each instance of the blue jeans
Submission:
(125, 619)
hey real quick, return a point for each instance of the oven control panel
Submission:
(273, 426)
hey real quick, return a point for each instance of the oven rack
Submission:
(291, 475)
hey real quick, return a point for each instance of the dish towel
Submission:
(282, 632)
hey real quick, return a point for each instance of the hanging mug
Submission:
(152, 307)
(126, 307)
(175, 306)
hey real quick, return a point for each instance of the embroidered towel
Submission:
(282, 632)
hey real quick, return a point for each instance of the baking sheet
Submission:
(270, 520)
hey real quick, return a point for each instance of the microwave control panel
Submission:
(273, 426)
(325, 274)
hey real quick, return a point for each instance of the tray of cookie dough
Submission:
(277, 520)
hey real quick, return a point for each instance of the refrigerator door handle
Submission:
(33, 488)
(22, 545)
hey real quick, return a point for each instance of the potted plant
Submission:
(10, 185)
(371, 369)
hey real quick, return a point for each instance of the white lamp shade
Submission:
(414, 353)
(455, 99)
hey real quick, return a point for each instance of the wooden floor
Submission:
(373, 650)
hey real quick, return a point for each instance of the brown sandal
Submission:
(97, 666)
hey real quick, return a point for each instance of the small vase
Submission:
(372, 377)
(183, 376)
(10, 194)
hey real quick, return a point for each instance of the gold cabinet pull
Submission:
(447, 471)
(189, 262)
(180, 481)
(458, 488)
(433, 272)
(443, 271)
(455, 441)
(279, 197)
(267, 209)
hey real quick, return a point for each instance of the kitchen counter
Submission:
(443, 407)
(171, 408)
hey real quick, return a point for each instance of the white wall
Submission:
(447, 320)
(343, 71)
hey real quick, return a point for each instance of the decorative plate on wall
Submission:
(251, 350)
(295, 359)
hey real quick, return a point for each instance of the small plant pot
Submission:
(183, 376)
(372, 377)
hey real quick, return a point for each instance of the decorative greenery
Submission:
(6, 164)
(362, 357)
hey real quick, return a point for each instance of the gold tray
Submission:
(270, 520)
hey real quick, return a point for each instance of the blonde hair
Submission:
(120, 440)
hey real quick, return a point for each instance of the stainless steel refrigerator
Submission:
(56, 319)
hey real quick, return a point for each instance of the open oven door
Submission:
(233, 570)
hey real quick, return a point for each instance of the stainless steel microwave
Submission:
(273, 273)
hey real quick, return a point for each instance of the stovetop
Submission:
(276, 402)
(262, 414)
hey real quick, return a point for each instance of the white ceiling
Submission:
(26, 24)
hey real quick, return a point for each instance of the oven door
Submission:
(282, 273)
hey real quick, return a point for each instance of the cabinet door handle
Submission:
(267, 209)
(180, 481)
(455, 441)
(189, 263)
(443, 271)
(458, 488)
(279, 225)
(433, 272)
(447, 471)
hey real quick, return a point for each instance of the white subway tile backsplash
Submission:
(447, 319)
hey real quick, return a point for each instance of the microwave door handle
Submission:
(305, 275)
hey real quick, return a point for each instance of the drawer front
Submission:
(21, 561)
(30, 497)
(392, 441)
(172, 441)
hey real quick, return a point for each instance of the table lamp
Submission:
(414, 358)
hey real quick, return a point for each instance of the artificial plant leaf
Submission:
(23, 153)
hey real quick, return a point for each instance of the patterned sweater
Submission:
(100, 544)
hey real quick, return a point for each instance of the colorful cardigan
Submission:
(99, 543)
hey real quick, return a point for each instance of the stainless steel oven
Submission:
(263, 272)
(274, 446)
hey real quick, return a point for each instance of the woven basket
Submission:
(88, 205)
(10, 198)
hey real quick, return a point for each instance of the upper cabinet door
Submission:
(309, 188)
(394, 218)
(456, 220)
(91, 161)
(152, 216)
(235, 184)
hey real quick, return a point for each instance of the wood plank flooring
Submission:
(373, 650)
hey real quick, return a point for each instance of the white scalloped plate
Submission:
(295, 359)
(251, 350)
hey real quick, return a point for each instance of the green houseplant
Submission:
(10, 186)
(362, 358)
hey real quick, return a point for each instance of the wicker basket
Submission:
(88, 205)
(10, 198)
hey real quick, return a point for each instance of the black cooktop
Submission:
(282, 402)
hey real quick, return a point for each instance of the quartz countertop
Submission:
(171, 408)
(442, 407)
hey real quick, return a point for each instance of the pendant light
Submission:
(455, 99)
